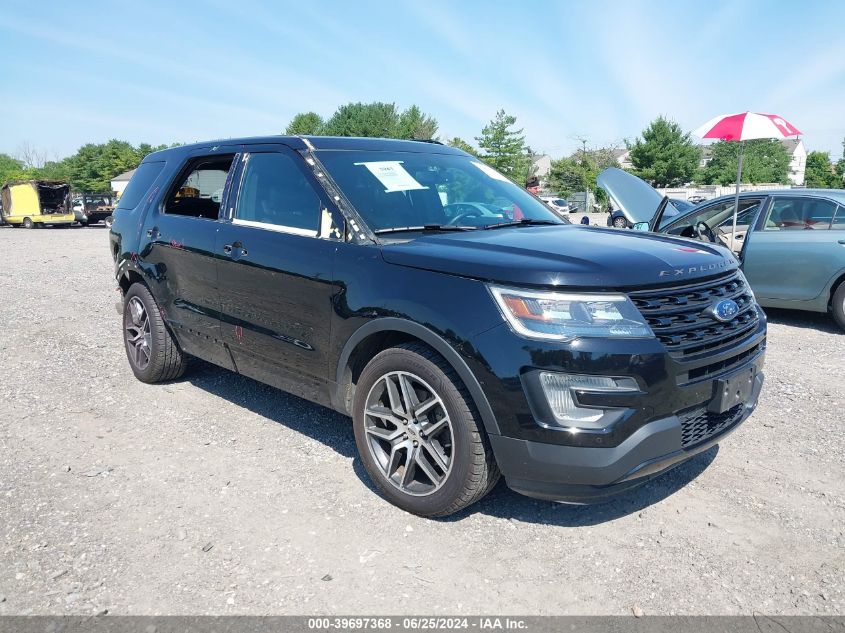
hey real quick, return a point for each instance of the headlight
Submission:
(563, 316)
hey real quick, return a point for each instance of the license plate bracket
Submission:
(732, 390)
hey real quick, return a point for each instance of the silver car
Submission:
(791, 242)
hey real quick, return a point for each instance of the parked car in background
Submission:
(91, 208)
(790, 242)
(463, 342)
(620, 219)
(557, 204)
(32, 203)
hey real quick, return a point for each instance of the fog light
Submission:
(558, 390)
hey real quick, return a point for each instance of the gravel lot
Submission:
(216, 494)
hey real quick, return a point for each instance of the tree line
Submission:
(663, 155)
(90, 169)
(500, 144)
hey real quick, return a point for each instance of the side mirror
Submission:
(641, 226)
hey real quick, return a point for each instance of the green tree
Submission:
(54, 170)
(577, 173)
(10, 168)
(94, 165)
(665, 156)
(375, 119)
(363, 119)
(840, 167)
(305, 123)
(820, 172)
(460, 143)
(764, 161)
(414, 124)
(145, 149)
(504, 148)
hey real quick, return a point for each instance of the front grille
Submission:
(678, 319)
(699, 425)
(721, 366)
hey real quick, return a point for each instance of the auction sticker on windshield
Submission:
(490, 171)
(392, 175)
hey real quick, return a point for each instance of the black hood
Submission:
(568, 255)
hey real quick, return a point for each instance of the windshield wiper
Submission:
(522, 222)
(424, 227)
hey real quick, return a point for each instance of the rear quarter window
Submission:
(141, 181)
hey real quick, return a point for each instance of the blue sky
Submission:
(162, 72)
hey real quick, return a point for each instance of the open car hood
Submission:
(638, 200)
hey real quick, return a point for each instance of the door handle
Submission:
(842, 242)
(153, 233)
(228, 249)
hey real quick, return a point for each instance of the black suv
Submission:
(465, 328)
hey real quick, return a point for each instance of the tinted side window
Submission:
(275, 191)
(199, 187)
(142, 180)
(800, 213)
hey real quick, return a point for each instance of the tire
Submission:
(837, 304)
(152, 353)
(108, 222)
(620, 223)
(28, 223)
(456, 441)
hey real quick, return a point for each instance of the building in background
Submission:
(623, 157)
(797, 160)
(541, 166)
(119, 182)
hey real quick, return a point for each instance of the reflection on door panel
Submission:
(275, 276)
(181, 255)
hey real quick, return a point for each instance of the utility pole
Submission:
(583, 141)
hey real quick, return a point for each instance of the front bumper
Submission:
(579, 474)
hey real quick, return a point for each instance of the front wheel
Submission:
(418, 433)
(620, 222)
(837, 304)
(152, 353)
(108, 222)
(28, 223)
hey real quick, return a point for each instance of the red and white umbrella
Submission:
(745, 126)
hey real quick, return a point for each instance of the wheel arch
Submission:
(380, 334)
(128, 277)
(838, 281)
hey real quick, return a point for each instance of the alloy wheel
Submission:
(409, 433)
(138, 337)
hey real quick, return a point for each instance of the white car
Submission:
(556, 203)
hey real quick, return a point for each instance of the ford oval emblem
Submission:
(725, 310)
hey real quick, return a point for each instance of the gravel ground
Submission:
(216, 494)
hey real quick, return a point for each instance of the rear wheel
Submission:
(28, 223)
(152, 353)
(837, 305)
(418, 433)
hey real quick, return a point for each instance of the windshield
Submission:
(392, 190)
(674, 208)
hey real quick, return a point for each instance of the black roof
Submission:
(318, 143)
